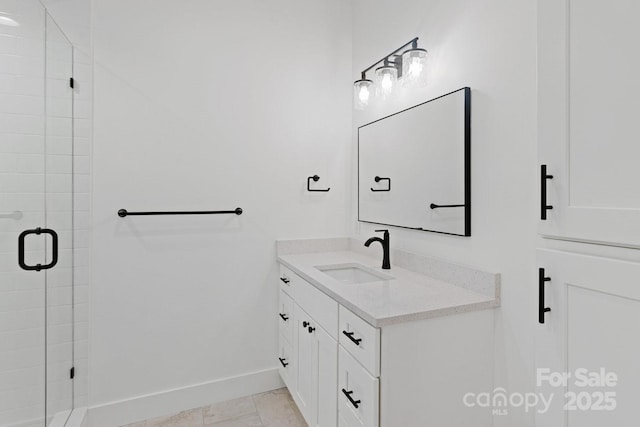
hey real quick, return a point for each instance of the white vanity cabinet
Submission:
(312, 377)
(343, 371)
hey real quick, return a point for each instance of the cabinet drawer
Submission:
(361, 340)
(286, 362)
(322, 308)
(358, 393)
(285, 279)
(285, 316)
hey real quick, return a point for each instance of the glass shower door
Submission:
(59, 217)
(36, 217)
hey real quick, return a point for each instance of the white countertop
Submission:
(408, 296)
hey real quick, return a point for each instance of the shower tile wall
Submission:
(21, 156)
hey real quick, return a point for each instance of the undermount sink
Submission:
(353, 273)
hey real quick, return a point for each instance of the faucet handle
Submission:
(381, 231)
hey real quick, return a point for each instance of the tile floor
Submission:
(271, 409)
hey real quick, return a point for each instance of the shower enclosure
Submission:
(36, 217)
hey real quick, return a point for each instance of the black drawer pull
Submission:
(284, 317)
(284, 279)
(544, 207)
(284, 364)
(311, 329)
(542, 278)
(350, 336)
(305, 324)
(355, 403)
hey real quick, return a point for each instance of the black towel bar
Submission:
(123, 212)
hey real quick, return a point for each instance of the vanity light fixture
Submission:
(408, 67)
(362, 92)
(386, 79)
(414, 63)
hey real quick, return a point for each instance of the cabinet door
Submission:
(304, 348)
(286, 362)
(326, 353)
(285, 316)
(593, 325)
(316, 371)
(588, 98)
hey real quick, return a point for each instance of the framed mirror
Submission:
(414, 167)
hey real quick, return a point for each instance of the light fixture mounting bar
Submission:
(412, 41)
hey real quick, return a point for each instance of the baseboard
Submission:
(60, 419)
(171, 401)
(78, 418)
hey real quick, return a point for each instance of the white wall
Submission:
(490, 46)
(208, 105)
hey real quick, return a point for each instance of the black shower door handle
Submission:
(54, 250)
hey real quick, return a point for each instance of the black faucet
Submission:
(386, 265)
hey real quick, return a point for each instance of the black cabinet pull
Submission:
(311, 329)
(355, 403)
(54, 250)
(378, 179)
(284, 365)
(284, 279)
(544, 207)
(305, 324)
(315, 178)
(350, 336)
(284, 317)
(542, 278)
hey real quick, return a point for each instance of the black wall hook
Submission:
(378, 179)
(315, 178)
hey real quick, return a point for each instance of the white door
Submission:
(592, 332)
(589, 103)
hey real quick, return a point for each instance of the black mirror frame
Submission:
(467, 165)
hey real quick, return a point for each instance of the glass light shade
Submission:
(362, 93)
(386, 80)
(414, 67)
(5, 20)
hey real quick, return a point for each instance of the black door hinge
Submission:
(71, 82)
(72, 372)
